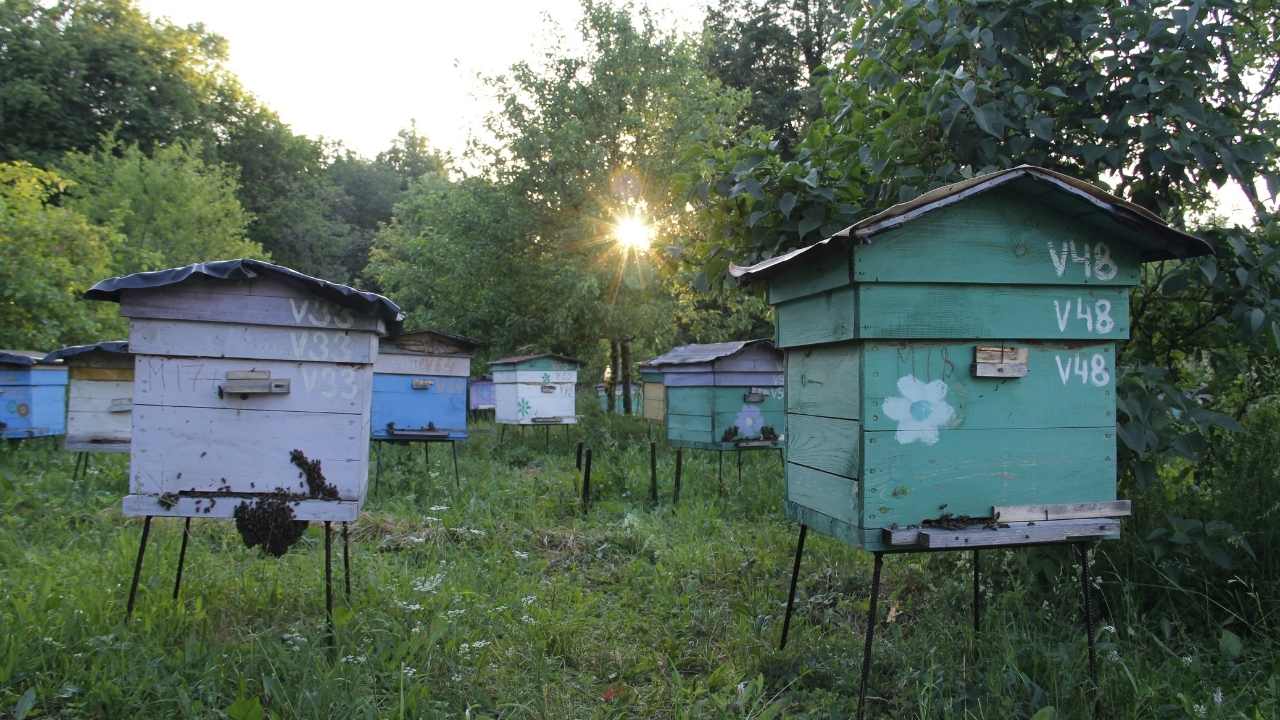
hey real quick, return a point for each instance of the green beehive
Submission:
(951, 361)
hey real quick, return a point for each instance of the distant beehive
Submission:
(952, 360)
(535, 389)
(637, 398)
(32, 396)
(99, 396)
(238, 363)
(480, 393)
(655, 394)
(420, 386)
(722, 396)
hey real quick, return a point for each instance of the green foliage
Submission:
(48, 256)
(172, 208)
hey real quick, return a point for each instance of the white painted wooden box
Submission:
(99, 396)
(238, 363)
(535, 389)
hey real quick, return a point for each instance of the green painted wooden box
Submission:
(723, 396)
(955, 355)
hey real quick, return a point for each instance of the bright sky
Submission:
(360, 71)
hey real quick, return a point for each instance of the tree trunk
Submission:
(626, 376)
(615, 371)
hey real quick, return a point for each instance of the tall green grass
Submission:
(500, 598)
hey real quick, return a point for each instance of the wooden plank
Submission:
(832, 495)
(997, 238)
(99, 373)
(968, 471)
(1067, 385)
(825, 380)
(535, 377)
(524, 403)
(758, 358)
(845, 532)
(205, 449)
(97, 395)
(74, 443)
(99, 359)
(407, 364)
(822, 270)
(254, 342)
(689, 400)
(194, 382)
(38, 375)
(136, 505)
(823, 318)
(1054, 531)
(689, 428)
(218, 305)
(750, 379)
(829, 444)
(98, 426)
(1068, 511)
(994, 312)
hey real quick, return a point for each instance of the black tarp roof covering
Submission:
(246, 269)
(109, 346)
(21, 358)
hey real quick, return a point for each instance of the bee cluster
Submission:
(268, 521)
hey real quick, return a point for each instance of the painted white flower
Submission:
(920, 410)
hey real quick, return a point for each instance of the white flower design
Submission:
(920, 410)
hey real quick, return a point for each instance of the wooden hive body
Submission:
(535, 390)
(99, 397)
(232, 373)
(480, 393)
(956, 361)
(655, 395)
(32, 397)
(420, 387)
(723, 395)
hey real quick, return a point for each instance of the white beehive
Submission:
(535, 389)
(238, 363)
(99, 396)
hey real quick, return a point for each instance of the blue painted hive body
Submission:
(952, 359)
(32, 396)
(420, 387)
(723, 396)
(480, 393)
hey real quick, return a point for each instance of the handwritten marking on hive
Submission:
(1099, 266)
(1092, 371)
(1096, 316)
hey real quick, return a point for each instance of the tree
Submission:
(779, 53)
(73, 70)
(171, 208)
(48, 256)
(411, 157)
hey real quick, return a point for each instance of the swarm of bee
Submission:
(268, 521)
(730, 433)
(768, 433)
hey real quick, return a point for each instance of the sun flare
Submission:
(633, 233)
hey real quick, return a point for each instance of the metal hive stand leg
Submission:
(346, 561)
(791, 595)
(1083, 549)
(453, 445)
(977, 594)
(871, 637)
(182, 556)
(328, 579)
(137, 567)
(675, 493)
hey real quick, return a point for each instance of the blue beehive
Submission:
(480, 394)
(420, 386)
(32, 396)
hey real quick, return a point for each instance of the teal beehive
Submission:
(950, 362)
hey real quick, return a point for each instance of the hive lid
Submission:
(523, 358)
(1155, 239)
(702, 353)
(247, 269)
(120, 347)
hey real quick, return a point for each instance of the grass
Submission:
(499, 598)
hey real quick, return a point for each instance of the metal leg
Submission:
(739, 468)
(577, 463)
(977, 596)
(1085, 591)
(75, 469)
(502, 432)
(453, 445)
(791, 596)
(720, 470)
(871, 632)
(426, 454)
(782, 457)
(586, 482)
(546, 435)
(675, 494)
(328, 578)
(346, 561)
(653, 472)
(182, 556)
(137, 567)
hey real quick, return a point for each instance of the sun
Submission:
(633, 233)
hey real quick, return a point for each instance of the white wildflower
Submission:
(408, 671)
(1108, 628)
(521, 555)
(527, 620)
(1114, 657)
(439, 508)
(1217, 696)
(1186, 660)
(528, 600)
(1200, 710)
(480, 644)
(429, 585)
(475, 531)
(456, 612)
(355, 659)
(499, 609)
(409, 607)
